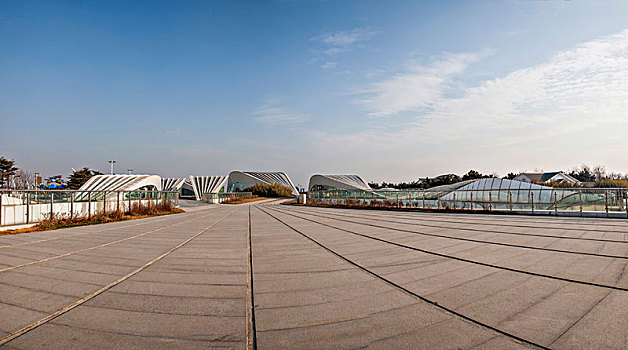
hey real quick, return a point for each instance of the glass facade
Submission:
(31, 206)
(491, 194)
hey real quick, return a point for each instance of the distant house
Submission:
(554, 176)
(446, 176)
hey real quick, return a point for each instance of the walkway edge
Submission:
(60, 312)
(251, 339)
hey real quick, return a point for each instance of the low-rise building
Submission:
(548, 177)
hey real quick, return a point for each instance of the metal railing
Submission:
(607, 202)
(19, 207)
(223, 196)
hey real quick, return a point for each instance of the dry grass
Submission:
(243, 200)
(138, 211)
(274, 190)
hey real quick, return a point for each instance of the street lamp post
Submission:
(111, 163)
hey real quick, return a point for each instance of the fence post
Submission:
(0, 208)
(71, 205)
(397, 199)
(626, 195)
(129, 195)
(52, 203)
(438, 200)
(510, 200)
(89, 204)
(117, 201)
(555, 207)
(454, 200)
(28, 207)
(606, 202)
(532, 196)
(423, 199)
(580, 196)
(471, 200)
(490, 200)
(104, 202)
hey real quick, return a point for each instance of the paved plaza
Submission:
(273, 276)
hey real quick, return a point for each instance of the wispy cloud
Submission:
(337, 43)
(417, 87)
(273, 112)
(329, 65)
(345, 39)
(574, 103)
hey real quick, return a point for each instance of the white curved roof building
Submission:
(239, 180)
(207, 184)
(172, 184)
(343, 182)
(122, 183)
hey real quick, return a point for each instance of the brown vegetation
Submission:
(138, 211)
(270, 191)
(612, 183)
(242, 200)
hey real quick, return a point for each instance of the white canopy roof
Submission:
(122, 183)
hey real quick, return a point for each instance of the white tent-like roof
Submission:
(242, 179)
(343, 182)
(206, 184)
(122, 183)
(172, 184)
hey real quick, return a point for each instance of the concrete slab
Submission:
(375, 294)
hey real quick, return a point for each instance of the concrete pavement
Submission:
(318, 279)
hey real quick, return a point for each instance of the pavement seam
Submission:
(91, 248)
(407, 291)
(581, 318)
(251, 336)
(79, 302)
(486, 223)
(489, 231)
(462, 259)
(471, 239)
(80, 234)
(495, 216)
(217, 339)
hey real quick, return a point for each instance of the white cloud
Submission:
(575, 89)
(345, 39)
(329, 65)
(554, 115)
(417, 87)
(335, 44)
(273, 112)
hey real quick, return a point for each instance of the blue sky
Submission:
(390, 90)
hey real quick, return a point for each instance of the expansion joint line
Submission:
(379, 218)
(60, 312)
(78, 234)
(472, 239)
(251, 337)
(92, 248)
(564, 279)
(407, 291)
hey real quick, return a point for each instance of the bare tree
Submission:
(615, 176)
(23, 180)
(599, 172)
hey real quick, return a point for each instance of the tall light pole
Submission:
(112, 162)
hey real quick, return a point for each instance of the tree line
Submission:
(12, 177)
(590, 176)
